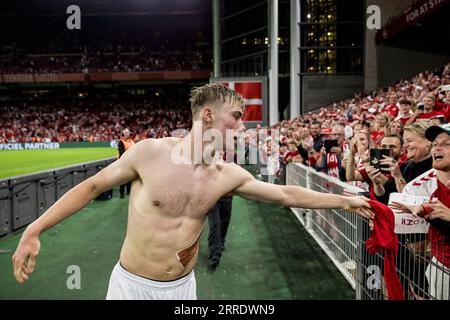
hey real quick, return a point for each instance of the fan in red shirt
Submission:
(405, 111)
(380, 128)
(445, 106)
(292, 155)
(437, 213)
(442, 106)
(392, 108)
(440, 238)
(428, 105)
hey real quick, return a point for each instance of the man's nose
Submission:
(241, 126)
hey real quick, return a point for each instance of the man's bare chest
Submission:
(180, 190)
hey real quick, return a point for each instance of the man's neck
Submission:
(409, 113)
(443, 177)
(196, 147)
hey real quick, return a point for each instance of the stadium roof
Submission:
(102, 7)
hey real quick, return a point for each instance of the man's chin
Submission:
(441, 166)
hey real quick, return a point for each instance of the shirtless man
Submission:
(169, 202)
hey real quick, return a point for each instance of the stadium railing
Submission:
(24, 198)
(342, 236)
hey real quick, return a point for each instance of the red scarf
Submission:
(383, 238)
(332, 165)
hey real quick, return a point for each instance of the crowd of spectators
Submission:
(103, 46)
(92, 121)
(361, 122)
(378, 142)
(115, 61)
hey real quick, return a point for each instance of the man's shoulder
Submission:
(234, 171)
(144, 144)
(169, 140)
(145, 148)
(151, 143)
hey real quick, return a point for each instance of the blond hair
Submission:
(418, 128)
(384, 115)
(395, 121)
(214, 94)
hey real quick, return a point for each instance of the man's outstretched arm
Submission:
(119, 172)
(298, 197)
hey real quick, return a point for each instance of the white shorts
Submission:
(124, 285)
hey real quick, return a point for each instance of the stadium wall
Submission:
(388, 8)
(318, 91)
(399, 63)
(384, 64)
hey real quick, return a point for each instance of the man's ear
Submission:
(208, 114)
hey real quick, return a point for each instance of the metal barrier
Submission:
(342, 236)
(24, 198)
(334, 230)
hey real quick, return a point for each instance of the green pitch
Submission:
(14, 163)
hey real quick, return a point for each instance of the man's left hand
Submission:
(360, 206)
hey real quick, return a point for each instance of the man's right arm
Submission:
(119, 172)
(294, 196)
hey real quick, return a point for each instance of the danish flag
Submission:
(251, 92)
